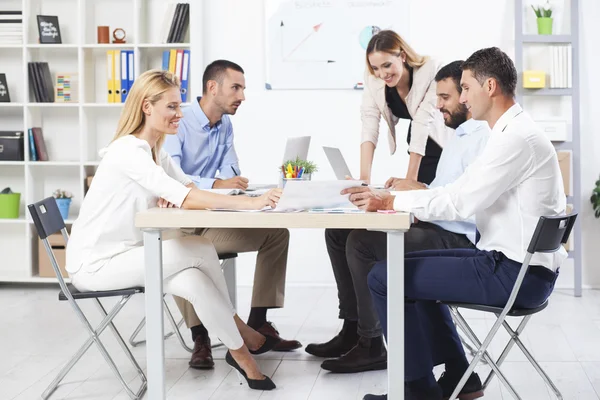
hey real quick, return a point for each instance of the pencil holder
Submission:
(283, 180)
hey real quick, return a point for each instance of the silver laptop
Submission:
(338, 163)
(296, 147)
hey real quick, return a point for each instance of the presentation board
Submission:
(321, 44)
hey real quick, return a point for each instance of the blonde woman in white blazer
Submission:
(105, 251)
(399, 83)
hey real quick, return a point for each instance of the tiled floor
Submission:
(39, 334)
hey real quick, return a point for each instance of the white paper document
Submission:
(225, 192)
(233, 192)
(305, 195)
(234, 210)
(336, 211)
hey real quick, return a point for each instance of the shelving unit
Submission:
(573, 145)
(73, 132)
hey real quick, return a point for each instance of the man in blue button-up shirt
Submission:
(203, 146)
(204, 149)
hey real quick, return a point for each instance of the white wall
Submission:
(446, 29)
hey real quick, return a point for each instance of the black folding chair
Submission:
(549, 235)
(228, 266)
(48, 220)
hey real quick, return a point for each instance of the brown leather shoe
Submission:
(202, 354)
(284, 345)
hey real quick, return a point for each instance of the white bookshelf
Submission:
(73, 132)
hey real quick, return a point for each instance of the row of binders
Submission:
(178, 63)
(120, 74)
(40, 82)
(561, 70)
(11, 27)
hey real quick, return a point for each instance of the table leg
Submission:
(395, 302)
(155, 349)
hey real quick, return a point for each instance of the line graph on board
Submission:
(289, 57)
(320, 44)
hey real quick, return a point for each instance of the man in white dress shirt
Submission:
(508, 187)
(359, 345)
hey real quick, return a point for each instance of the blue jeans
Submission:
(462, 275)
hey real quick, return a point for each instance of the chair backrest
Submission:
(46, 217)
(550, 233)
(48, 220)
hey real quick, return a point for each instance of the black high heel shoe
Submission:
(268, 345)
(257, 384)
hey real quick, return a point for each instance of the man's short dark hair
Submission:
(452, 71)
(493, 63)
(215, 71)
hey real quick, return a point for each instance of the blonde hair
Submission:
(148, 86)
(390, 42)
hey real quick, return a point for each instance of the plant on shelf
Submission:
(63, 200)
(595, 199)
(298, 169)
(544, 18)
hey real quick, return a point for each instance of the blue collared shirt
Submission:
(471, 137)
(202, 152)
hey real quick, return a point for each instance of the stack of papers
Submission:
(233, 192)
(306, 195)
(311, 196)
(336, 211)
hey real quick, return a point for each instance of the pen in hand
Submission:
(234, 171)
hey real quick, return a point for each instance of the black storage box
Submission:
(12, 146)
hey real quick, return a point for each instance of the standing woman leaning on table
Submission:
(105, 250)
(401, 84)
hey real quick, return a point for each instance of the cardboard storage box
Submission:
(564, 162)
(87, 183)
(57, 243)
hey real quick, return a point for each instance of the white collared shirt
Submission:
(508, 187)
(127, 181)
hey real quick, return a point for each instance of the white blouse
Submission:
(127, 181)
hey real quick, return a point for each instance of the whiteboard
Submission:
(320, 44)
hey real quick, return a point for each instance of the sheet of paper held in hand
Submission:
(304, 195)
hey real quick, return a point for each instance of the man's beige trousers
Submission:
(271, 262)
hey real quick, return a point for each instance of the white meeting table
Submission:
(155, 220)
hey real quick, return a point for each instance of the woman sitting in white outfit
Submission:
(105, 250)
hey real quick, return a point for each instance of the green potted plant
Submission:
(63, 200)
(595, 199)
(544, 18)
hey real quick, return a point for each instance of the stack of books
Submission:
(40, 82)
(11, 27)
(37, 145)
(176, 23)
(561, 69)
